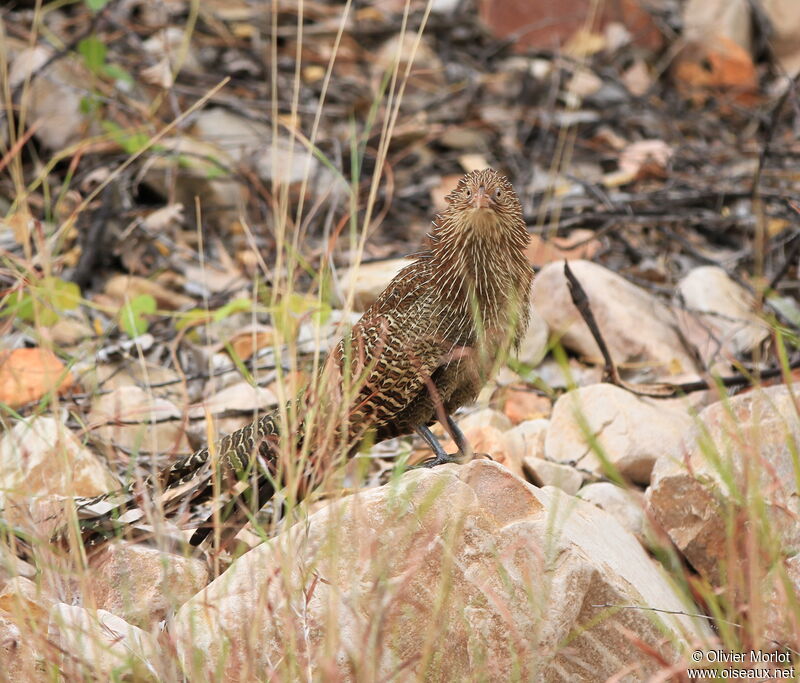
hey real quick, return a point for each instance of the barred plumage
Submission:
(424, 348)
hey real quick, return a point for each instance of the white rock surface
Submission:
(505, 574)
(241, 396)
(623, 505)
(486, 417)
(636, 326)
(534, 344)
(632, 432)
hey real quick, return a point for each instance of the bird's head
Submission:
(486, 201)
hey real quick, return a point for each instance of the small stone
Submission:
(524, 404)
(485, 417)
(133, 419)
(368, 280)
(724, 309)
(22, 596)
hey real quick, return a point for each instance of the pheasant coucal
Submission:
(426, 346)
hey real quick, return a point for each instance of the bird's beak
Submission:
(481, 200)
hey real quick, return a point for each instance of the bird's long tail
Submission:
(242, 463)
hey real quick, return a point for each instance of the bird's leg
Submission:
(464, 449)
(440, 457)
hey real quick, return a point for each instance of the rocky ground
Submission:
(175, 260)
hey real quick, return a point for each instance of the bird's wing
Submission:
(392, 352)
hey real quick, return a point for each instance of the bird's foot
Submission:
(440, 459)
(445, 458)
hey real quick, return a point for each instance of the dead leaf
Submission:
(28, 374)
(718, 65)
(645, 158)
(251, 339)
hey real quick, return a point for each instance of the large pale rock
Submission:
(636, 326)
(142, 584)
(42, 457)
(457, 573)
(743, 444)
(96, 645)
(605, 421)
(724, 311)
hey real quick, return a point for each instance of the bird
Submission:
(425, 347)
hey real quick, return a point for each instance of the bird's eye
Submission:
(498, 193)
(468, 193)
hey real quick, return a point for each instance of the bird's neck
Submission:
(481, 266)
